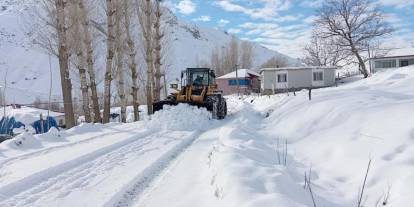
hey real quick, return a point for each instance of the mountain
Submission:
(27, 65)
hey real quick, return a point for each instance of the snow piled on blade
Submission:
(182, 117)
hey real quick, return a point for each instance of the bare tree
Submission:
(87, 39)
(353, 23)
(215, 60)
(233, 54)
(2, 102)
(131, 59)
(110, 12)
(64, 62)
(157, 50)
(276, 62)
(145, 19)
(119, 59)
(246, 59)
(324, 52)
(37, 103)
(78, 47)
(225, 59)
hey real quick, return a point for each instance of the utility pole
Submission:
(50, 92)
(238, 81)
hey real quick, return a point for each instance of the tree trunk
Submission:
(89, 60)
(148, 58)
(361, 62)
(131, 61)
(64, 64)
(119, 64)
(109, 59)
(165, 86)
(81, 63)
(157, 48)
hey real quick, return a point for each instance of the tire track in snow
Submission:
(11, 160)
(143, 180)
(35, 179)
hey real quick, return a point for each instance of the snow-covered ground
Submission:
(180, 157)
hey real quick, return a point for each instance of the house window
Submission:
(403, 63)
(282, 78)
(232, 82)
(385, 64)
(318, 76)
(242, 82)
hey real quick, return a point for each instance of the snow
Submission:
(241, 73)
(342, 128)
(180, 118)
(335, 135)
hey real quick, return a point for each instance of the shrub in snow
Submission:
(86, 127)
(53, 135)
(25, 140)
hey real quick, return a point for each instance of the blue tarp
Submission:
(43, 126)
(7, 124)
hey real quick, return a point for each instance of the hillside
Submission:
(28, 65)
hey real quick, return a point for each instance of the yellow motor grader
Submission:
(199, 88)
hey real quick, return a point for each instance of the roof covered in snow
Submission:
(241, 73)
(28, 115)
(399, 52)
(299, 68)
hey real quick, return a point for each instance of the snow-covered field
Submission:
(180, 157)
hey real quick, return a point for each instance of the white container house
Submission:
(393, 59)
(277, 80)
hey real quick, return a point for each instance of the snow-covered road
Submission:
(109, 168)
(97, 177)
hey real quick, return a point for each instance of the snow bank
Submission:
(54, 135)
(180, 118)
(22, 142)
(342, 128)
(246, 172)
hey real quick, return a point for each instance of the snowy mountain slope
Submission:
(28, 74)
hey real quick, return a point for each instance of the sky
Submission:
(282, 25)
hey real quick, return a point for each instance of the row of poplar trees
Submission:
(74, 46)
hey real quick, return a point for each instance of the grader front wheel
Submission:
(219, 108)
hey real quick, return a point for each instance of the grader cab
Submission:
(198, 87)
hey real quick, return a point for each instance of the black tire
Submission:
(219, 108)
(222, 112)
(215, 104)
